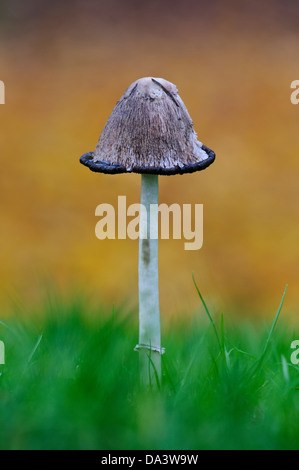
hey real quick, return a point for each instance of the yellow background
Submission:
(64, 68)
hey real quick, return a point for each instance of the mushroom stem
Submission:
(149, 313)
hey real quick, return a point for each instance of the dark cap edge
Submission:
(113, 169)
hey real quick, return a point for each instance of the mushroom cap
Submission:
(149, 131)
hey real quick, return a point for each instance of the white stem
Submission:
(149, 312)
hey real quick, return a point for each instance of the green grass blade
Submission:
(9, 327)
(207, 312)
(273, 326)
(35, 348)
(151, 363)
(267, 343)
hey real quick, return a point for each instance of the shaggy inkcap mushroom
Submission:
(149, 132)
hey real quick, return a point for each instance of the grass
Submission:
(71, 382)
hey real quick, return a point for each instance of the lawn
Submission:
(70, 381)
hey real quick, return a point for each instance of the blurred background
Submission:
(65, 64)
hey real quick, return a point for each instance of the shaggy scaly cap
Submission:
(149, 131)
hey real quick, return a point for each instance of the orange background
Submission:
(65, 66)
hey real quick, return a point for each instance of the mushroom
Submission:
(149, 132)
